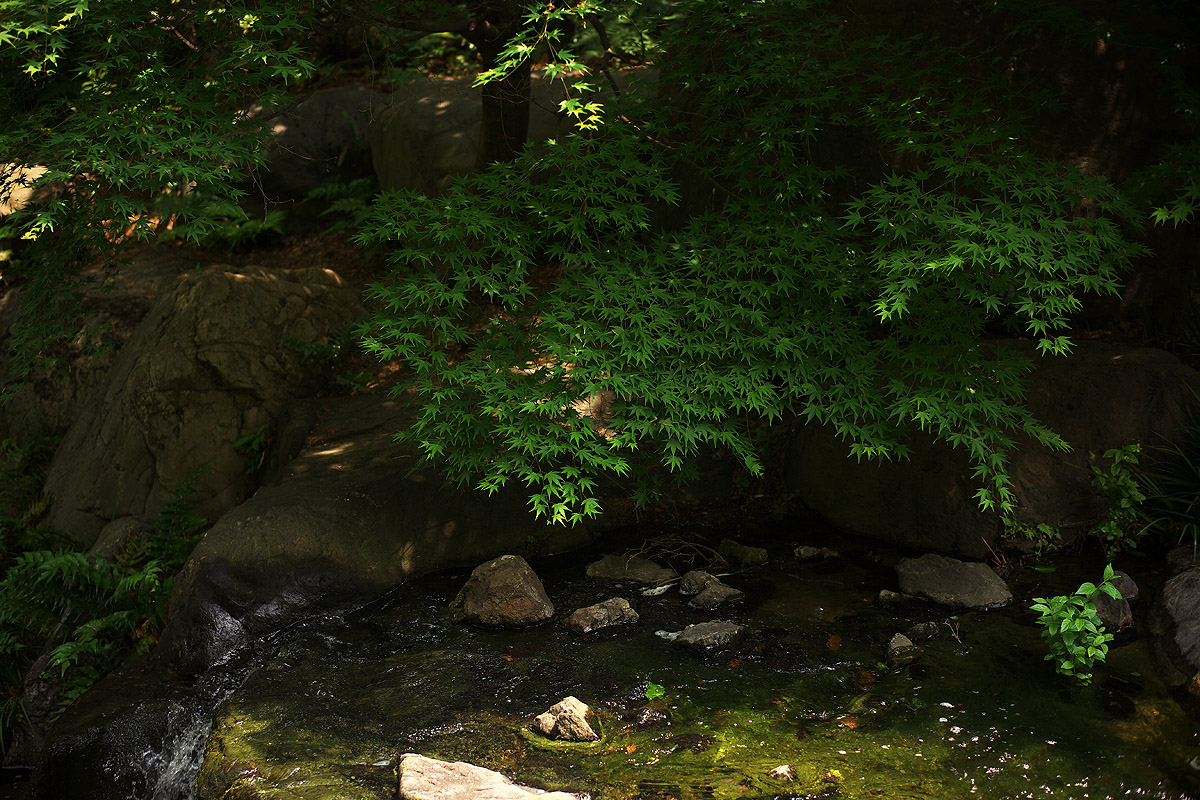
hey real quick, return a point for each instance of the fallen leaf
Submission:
(833, 642)
(850, 722)
(629, 748)
(735, 662)
(862, 679)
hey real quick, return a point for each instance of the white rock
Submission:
(424, 778)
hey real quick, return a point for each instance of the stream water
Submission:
(979, 714)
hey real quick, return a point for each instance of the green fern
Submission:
(108, 609)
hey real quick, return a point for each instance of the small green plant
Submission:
(1044, 537)
(1123, 523)
(1171, 483)
(654, 690)
(1073, 629)
(254, 446)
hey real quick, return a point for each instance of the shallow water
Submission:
(979, 714)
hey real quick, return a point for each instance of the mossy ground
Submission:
(979, 714)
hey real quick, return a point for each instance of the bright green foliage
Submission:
(129, 105)
(654, 690)
(102, 610)
(807, 218)
(1123, 523)
(1073, 630)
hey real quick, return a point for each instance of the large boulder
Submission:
(346, 520)
(1101, 397)
(206, 366)
(109, 311)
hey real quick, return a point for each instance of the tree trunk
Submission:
(505, 102)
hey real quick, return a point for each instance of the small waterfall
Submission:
(179, 764)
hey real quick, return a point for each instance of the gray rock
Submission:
(1101, 396)
(204, 367)
(506, 592)
(567, 721)
(1116, 614)
(424, 778)
(109, 744)
(709, 635)
(741, 554)
(614, 611)
(901, 650)
(630, 568)
(694, 581)
(714, 594)
(953, 583)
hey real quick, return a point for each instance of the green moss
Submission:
(979, 712)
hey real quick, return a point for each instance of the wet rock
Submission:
(693, 582)
(347, 519)
(109, 748)
(901, 651)
(615, 611)
(424, 778)
(954, 583)
(806, 553)
(505, 592)
(714, 594)
(567, 721)
(888, 597)
(630, 568)
(708, 635)
(1116, 614)
(741, 554)
(1175, 627)
(923, 632)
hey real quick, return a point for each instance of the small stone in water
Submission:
(566, 720)
(805, 552)
(708, 635)
(783, 772)
(694, 582)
